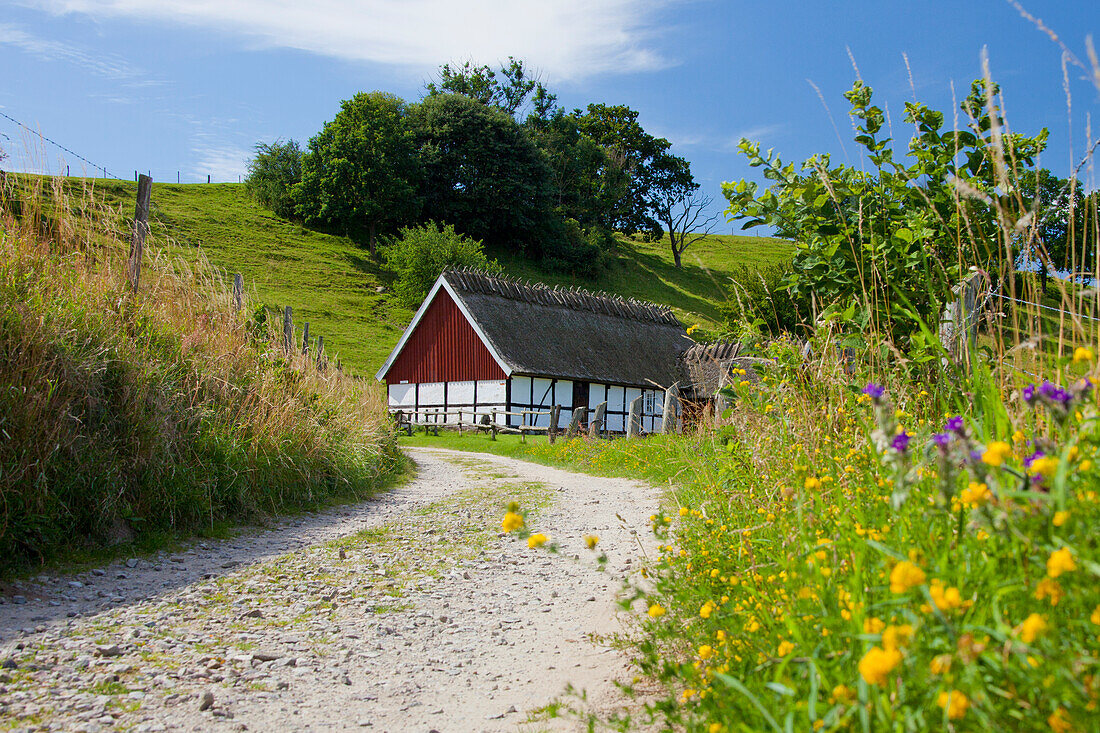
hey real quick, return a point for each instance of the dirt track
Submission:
(410, 612)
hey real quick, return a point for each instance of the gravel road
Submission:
(409, 612)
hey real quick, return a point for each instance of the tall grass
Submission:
(128, 415)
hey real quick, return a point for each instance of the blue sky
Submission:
(189, 86)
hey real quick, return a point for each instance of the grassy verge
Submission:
(135, 417)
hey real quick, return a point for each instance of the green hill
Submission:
(332, 283)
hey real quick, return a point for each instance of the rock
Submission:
(230, 564)
(266, 656)
(254, 613)
(132, 563)
(343, 555)
(8, 663)
(99, 572)
(75, 584)
(18, 600)
(105, 650)
(207, 701)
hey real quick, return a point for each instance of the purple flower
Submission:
(1053, 393)
(874, 391)
(941, 439)
(954, 425)
(1029, 393)
(901, 441)
(1032, 458)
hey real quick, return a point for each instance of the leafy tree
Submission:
(580, 190)
(481, 83)
(1060, 214)
(421, 253)
(898, 235)
(272, 175)
(360, 173)
(481, 172)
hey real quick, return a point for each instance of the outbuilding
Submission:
(482, 342)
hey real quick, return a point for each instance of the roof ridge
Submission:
(573, 297)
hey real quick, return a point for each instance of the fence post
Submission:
(596, 425)
(320, 353)
(555, 415)
(140, 229)
(493, 426)
(305, 339)
(670, 417)
(288, 331)
(634, 426)
(238, 292)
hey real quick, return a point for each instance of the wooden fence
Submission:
(140, 230)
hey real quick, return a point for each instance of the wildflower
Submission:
(1018, 437)
(874, 391)
(1059, 722)
(706, 652)
(1060, 518)
(895, 637)
(1055, 394)
(876, 665)
(512, 521)
(996, 453)
(706, 609)
(591, 541)
(1082, 354)
(941, 439)
(785, 648)
(904, 576)
(1029, 393)
(1060, 561)
(1048, 588)
(537, 540)
(691, 328)
(873, 625)
(954, 425)
(940, 664)
(900, 443)
(683, 511)
(843, 694)
(714, 728)
(812, 483)
(1095, 617)
(954, 703)
(656, 610)
(1041, 465)
(946, 598)
(975, 494)
(1031, 628)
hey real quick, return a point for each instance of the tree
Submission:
(1060, 214)
(897, 236)
(481, 83)
(360, 173)
(579, 188)
(421, 253)
(481, 172)
(679, 206)
(272, 175)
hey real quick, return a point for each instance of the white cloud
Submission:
(565, 39)
(223, 163)
(723, 143)
(105, 65)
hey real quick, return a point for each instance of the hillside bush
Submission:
(136, 416)
(272, 175)
(421, 253)
(760, 298)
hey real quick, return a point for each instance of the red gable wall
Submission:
(443, 348)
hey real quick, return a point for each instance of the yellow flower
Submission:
(1047, 466)
(512, 522)
(1082, 354)
(785, 648)
(904, 576)
(940, 664)
(1095, 617)
(1060, 561)
(656, 610)
(946, 598)
(683, 511)
(1019, 437)
(954, 703)
(714, 728)
(706, 609)
(537, 540)
(996, 453)
(706, 652)
(812, 483)
(843, 694)
(591, 541)
(873, 625)
(1030, 629)
(691, 328)
(1048, 588)
(1059, 721)
(975, 494)
(876, 665)
(895, 637)
(1060, 518)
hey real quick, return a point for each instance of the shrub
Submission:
(272, 175)
(760, 297)
(421, 253)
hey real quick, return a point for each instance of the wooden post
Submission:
(288, 331)
(208, 178)
(596, 425)
(721, 402)
(320, 352)
(305, 339)
(493, 426)
(140, 229)
(579, 416)
(238, 292)
(634, 424)
(555, 415)
(670, 422)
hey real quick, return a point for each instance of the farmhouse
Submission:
(481, 342)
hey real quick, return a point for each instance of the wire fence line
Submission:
(1045, 307)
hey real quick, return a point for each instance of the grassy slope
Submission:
(331, 282)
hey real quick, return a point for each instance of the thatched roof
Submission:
(706, 367)
(572, 333)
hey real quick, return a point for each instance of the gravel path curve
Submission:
(409, 612)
